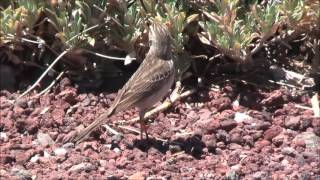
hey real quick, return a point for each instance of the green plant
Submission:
(227, 32)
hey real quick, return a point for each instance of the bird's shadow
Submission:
(191, 145)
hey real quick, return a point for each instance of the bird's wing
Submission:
(149, 77)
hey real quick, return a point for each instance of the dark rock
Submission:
(234, 158)
(262, 125)
(272, 132)
(6, 158)
(70, 96)
(248, 140)
(316, 131)
(228, 124)
(256, 135)
(305, 123)
(9, 82)
(278, 140)
(236, 138)
(31, 125)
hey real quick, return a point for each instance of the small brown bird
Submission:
(147, 86)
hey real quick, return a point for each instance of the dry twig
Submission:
(44, 73)
(52, 84)
(111, 130)
(106, 56)
(315, 105)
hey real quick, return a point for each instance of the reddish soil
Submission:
(255, 134)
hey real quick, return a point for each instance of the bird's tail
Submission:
(95, 124)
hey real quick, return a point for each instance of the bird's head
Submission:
(160, 40)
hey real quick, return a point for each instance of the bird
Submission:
(148, 85)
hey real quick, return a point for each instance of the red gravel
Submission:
(209, 137)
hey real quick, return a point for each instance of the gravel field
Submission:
(230, 133)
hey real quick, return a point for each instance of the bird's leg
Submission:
(143, 128)
(143, 124)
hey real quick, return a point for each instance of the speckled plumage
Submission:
(148, 85)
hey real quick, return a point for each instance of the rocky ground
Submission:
(229, 133)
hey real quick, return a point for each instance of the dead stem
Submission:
(52, 84)
(44, 73)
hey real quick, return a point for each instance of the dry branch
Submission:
(45, 73)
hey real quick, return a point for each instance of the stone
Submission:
(311, 140)
(261, 144)
(232, 175)
(292, 122)
(316, 131)
(272, 132)
(260, 175)
(228, 124)
(210, 141)
(21, 102)
(21, 172)
(137, 176)
(6, 158)
(35, 158)
(60, 151)
(236, 138)
(240, 117)
(289, 151)
(85, 166)
(262, 125)
(44, 139)
(222, 135)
